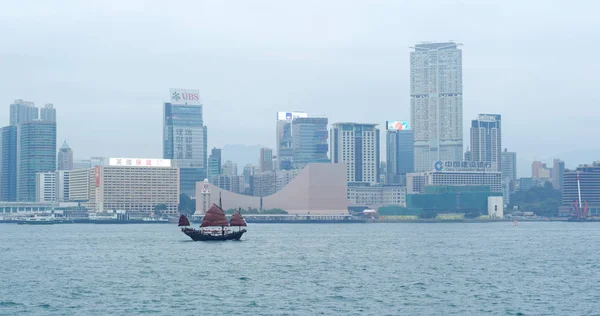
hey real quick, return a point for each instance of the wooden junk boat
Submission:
(209, 229)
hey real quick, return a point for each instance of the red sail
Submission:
(237, 219)
(183, 221)
(214, 217)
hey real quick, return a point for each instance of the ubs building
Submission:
(184, 137)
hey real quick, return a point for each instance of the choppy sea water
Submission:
(303, 269)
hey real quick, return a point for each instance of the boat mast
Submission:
(579, 190)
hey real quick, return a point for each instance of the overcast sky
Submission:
(107, 66)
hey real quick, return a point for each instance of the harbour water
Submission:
(536, 268)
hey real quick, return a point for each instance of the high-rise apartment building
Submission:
(48, 113)
(36, 152)
(284, 147)
(45, 187)
(184, 137)
(486, 140)
(400, 155)
(509, 168)
(266, 159)
(558, 171)
(540, 171)
(229, 168)
(65, 157)
(8, 164)
(309, 141)
(23, 111)
(357, 146)
(436, 103)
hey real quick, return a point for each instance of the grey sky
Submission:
(111, 62)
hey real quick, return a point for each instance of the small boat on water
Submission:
(215, 226)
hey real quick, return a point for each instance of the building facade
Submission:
(8, 164)
(486, 140)
(45, 187)
(214, 163)
(284, 141)
(80, 182)
(375, 196)
(36, 152)
(65, 157)
(357, 146)
(509, 165)
(48, 113)
(436, 103)
(266, 159)
(417, 182)
(400, 155)
(184, 137)
(23, 111)
(233, 183)
(558, 172)
(589, 183)
(62, 185)
(309, 141)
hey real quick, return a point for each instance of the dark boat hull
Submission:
(197, 235)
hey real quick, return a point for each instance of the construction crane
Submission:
(580, 212)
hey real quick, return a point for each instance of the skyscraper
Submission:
(8, 164)
(214, 164)
(266, 159)
(309, 141)
(436, 103)
(357, 146)
(65, 157)
(284, 148)
(36, 152)
(486, 140)
(22, 111)
(558, 171)
(509, 168)
(400, 155)
(184, 137)
(48, 113)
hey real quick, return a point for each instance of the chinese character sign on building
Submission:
(461, 165)
(139, 162)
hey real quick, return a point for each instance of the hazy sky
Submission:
(107, 66)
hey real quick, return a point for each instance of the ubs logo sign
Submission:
(176, 96)
(189, 96)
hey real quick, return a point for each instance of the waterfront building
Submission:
(36, 152)
(589, 182)
(357, 146)
(319, 188)
(309, 141)
(48, 113)
(45, 187)
(400, 155)
(417, 182)
(558, 171)
(458, 199)
(8, 164)
(65, 157)
(62, 181)
(266, 159)
(375, 196)
(214, 163)
(23, 111)
(486, 140)
(284, 140)
(136, 185)
(436, 103)
(184, 137)
(80, 182)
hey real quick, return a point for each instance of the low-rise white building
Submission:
(375, 196)
(45, 187)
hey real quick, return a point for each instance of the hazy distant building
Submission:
(558, 171)
(65, 157)
(8, 164)
(436, 103)
(229, 168)
(486, 139)
(233, 183)
(284, 141)
(214, 164)
(400, 155)
(540, 171)
(23, 111)
(468, 154)
(509, 168)
(184, 137)
(266, 159)
(48, 113)
(357, 146)
(36, 152)
(309, 135)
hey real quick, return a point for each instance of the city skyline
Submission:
(363, 74)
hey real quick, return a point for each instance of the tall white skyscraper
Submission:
(357, 146)
(436, 103)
